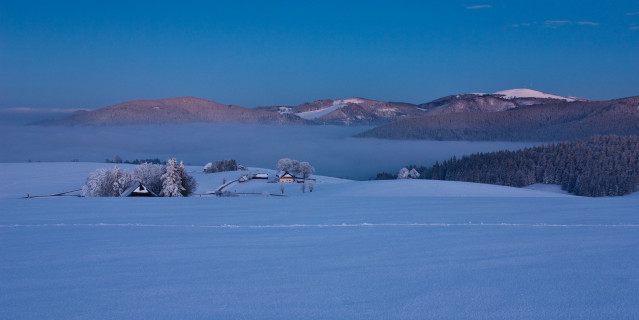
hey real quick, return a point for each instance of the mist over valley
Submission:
(332, 150)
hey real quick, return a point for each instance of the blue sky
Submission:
(85, 54)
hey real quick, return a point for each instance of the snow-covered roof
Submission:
(285, 174)
(138, 188)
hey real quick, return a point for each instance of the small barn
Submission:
(261, 176)
(137, 189)
(286, 177)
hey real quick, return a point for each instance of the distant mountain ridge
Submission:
(498, 101)
(558, 120)
(174, 110)
(351, 111)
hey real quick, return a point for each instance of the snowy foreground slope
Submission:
(335, 253)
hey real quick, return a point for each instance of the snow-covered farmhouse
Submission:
(286, 177)
(137, 189)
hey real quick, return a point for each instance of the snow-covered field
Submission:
(348, 250)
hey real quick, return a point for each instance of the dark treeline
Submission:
(117, 159)
(596, 167)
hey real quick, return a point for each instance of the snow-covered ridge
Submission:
(528, 93)
(337, 104)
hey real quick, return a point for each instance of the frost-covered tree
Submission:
(295, 167)
(305, 169)
(97, 184)
(172, 180)
(413, 174)
(150, 175)
(403, 173)
(121, 180)
(284, 164)
(176, 182)
(107, 183)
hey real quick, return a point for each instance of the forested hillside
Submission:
(596, 167)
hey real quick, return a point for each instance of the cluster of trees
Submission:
(295, 167)
(405, 173)
(220, 166)
(596, 167)
(170, 180)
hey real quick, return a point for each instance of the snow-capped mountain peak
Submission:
(529, 93)
(349, 100)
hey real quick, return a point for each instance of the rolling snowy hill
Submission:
(38, 179)
(351, 250)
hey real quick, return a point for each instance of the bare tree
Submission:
(310, 184)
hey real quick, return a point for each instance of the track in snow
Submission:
(342, 225)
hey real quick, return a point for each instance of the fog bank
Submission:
(330, 149)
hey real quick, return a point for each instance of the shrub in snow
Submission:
(413, 174)
(149, 175)
(310, 184)
(107, 183)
